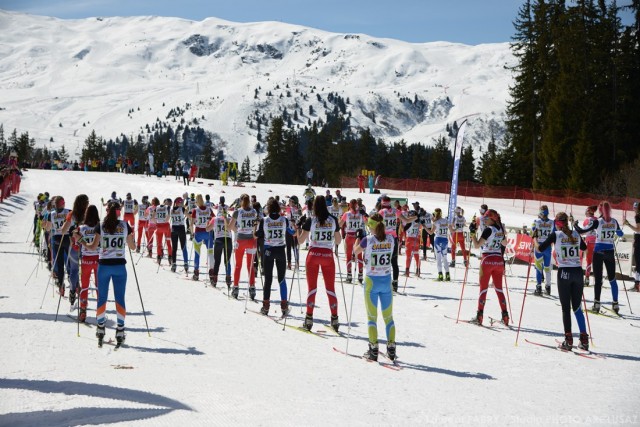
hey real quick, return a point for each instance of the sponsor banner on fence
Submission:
(519, 246)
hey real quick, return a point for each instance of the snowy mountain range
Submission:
(62, 78)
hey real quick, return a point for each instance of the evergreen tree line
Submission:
(333, 150)
(574, 111)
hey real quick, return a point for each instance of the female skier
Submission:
(112, 235)
(323, 232)
(178, 233)
(273, 229)
(440, 228)
(222, 243)
(636, 244)
(352, 221)
(88, 258)
(243, 223)
(492, 264)
(72, 221)
(201, 216)
(542, 227)
(590, 240)
(567, 246)
(163, 230)
(378, 248)
(604, 253)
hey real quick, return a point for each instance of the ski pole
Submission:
(50, 275)
(144, 313)
(32, 271)
(59, 291)
(353, 288)
(344, 298)
(251, 272)
(293, 275)
(506, 288)
(624, 284)
(586, 315)
(525, 293)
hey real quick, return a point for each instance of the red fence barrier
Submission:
(473, 189)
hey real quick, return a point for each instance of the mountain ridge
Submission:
(62, 78)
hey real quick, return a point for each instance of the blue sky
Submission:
(464, 21)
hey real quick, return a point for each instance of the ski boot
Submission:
(636, 287)
(394, 284)
(186, 268)
(284, 306)
(213, 278)
(466, 263)
(308, 322)
(567, 344)
(72, 296)
(159, 258)
(478, 319)
(547, 289)
(252, 292)
(235, 292)
(100, 334)
(596, 307)
(584, 341)
(505, 318)
(538, 291)
(440, 278)
(391, 350)
(289, 265)
(360, 278)
(173, 267)
(447, 277)
(406, 272)
(265, 308)
(137, 249)
(349, 278)
(586, 281)
(228, 280)
(196, 275)
(615, 306)
(335, 324)
(120, 336)
(82, 317)
(149, 253)
(372, 353)
(452, 264)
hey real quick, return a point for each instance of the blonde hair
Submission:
(437, 213)
(199, 200)
(245, 201)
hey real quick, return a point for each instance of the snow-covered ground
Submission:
(207, 362)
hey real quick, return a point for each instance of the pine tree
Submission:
(467, 170)
(245, 170)
(274, 162)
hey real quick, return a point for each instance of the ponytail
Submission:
(111, 221)
(379, 229)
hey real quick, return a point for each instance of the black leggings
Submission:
(274, 255)
(394, 259)
(608, 259)
(570, 285)
(426, 237)
(178, 232)
(636, 252)
(292, 241)
(222, 245)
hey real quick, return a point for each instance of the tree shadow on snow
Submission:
(88, 415)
